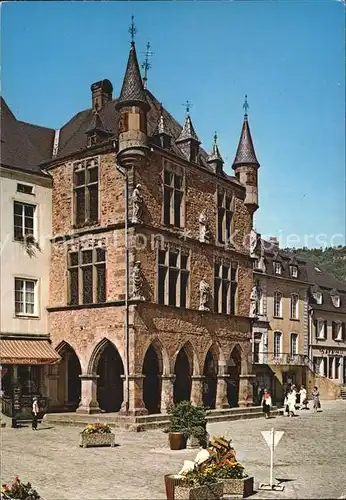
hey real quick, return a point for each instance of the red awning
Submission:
(27, 352)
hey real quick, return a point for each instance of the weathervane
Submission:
(215, 137)
(132, 29)
(245, 105)
(187, 105)
(146, 64)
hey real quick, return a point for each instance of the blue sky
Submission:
(288, 56)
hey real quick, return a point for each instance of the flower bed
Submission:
(96, 435)
(19, 490)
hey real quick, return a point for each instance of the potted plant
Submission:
(186, 421)
(19, 490)
(96, 435)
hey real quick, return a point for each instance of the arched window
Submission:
(277, 344)
(278, 304)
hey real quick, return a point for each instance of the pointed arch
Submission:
(234, 370)
(210, 371)
(95, 355)
(162, 355)
(69, 382)
(191, 355)
(152, 369)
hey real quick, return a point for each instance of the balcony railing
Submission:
(272, 358)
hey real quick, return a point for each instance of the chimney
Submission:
(101, 92)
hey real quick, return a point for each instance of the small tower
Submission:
(215, 159)
(188, 141)
(246, 164)
(133, 107)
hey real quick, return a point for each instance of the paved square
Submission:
(311, 458)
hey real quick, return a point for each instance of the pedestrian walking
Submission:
(266, 403)
(286, 408)
(35, 410)
(291, 402)
(294, 392)
(303, 398)
(316, 399)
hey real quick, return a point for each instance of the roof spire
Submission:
(132, 29)
(245, 106)
(146, 64)
(132, 90)
(245, 154)
(215, 158)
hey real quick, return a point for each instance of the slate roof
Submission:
(188, 132)
(132, 89)
(327, 284)
(23, 145)
(245, 154)
(273, 254)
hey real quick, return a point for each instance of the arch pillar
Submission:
(221, 388)
(196, 397)
(167, 386)
(245, 397)
(136, 404)
(88, 403)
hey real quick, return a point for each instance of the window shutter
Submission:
(325, 328)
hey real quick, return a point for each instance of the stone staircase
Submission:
(147, 422)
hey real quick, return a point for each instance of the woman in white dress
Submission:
(291, 401)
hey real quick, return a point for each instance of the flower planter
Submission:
(239, 488)
(212, 491)
(96, 439)
(177, 440)
(171, 482)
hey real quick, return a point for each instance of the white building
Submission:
(25, 201)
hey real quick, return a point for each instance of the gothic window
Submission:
(224, 218)
(173, 278)
(225, 286)
(24, 218)
(173, 193)
(86, 196)
(87, 276)
(294, 306)
(278, 304)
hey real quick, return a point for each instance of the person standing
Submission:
(35, 411)
(303, 397)
(291, 402)
(316, 399)
(294, 392)
(266, 403)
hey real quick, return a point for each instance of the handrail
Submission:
(283, 358)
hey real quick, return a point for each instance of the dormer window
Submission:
(277, 268)
(294, 271)
(318, 297)
(335, 297)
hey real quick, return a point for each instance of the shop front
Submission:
(23, 368)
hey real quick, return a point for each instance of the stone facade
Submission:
(137, 354)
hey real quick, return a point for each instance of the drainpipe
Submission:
(123, 172)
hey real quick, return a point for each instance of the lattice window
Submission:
(86, 194)
(87, 276)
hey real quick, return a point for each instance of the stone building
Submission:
(149, 290)
(25, 191)
(280, 329)
(327, 331)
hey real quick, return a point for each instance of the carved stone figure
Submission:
(137, 281)
(204, 233)
(137, 205)
(204, 294)
(253, 241)
(254, 298)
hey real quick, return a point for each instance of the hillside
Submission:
(331, 259)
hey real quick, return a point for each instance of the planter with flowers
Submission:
(96, 435)
(19, 491)
(215, 472)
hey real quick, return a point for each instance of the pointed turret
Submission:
(133, 107)
(96, 131)
(161, 134)
(188, 141)
(246, 164)
(215, 159)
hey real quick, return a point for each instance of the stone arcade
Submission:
(137, 347)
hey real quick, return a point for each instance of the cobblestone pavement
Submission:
(310, 459)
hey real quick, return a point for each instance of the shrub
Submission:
(188, 419)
